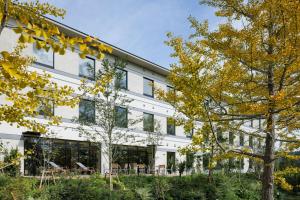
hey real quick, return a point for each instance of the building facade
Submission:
(65, 144)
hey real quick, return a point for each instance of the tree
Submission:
(247, 69)
(26, 90)
(108, 123)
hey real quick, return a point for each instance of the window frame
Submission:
(152, 81)
(152, 126)
(126, 73)
(43, 64)
(126, 112)
(173, 124)
(94, 71)
(94, 113)
(45, 114)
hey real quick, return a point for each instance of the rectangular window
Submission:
(241, 139)
(43, 57)
(121, 79)
(171, 92)
(121, 117)
(148, 122)
(251, 141)
(46, 108)
(231, 138)
(190, 134)
(148, 87)
(171, 162)
(87, 68)
(87, 110)
(220, 135)
(171, 127)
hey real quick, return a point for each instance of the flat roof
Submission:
(115, 50)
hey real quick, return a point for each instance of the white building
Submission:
(68, 69)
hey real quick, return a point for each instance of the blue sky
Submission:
(138, 26)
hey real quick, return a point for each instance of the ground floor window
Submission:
(64, 153)
(171, 162)
(132, 157)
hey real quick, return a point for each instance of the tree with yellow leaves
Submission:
(247, 69)
(26, 90)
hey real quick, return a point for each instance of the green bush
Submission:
(194, 187)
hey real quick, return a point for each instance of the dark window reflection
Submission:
(62, 152)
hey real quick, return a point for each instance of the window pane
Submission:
(121, 80)
(171, 126)
(46, 108)
(121, 117)
(171, 162)
(42, 56)
(231, 138)
(148, 87)
(87, 110)
(250, 141)
(87, 68)
(241, 139)
(148, 120)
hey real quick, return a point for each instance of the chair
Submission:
(115, 168)
(55, 168)
(141, 168)
(84, 169)
(161, 169)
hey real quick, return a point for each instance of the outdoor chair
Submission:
(115, 168)
(84, 169)
(141, 168)
(161, 169)
(55, 168)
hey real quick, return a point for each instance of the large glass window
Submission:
(87, 68)
(121, 79)
(148, 122)
(148, 87)
(171, 127)
(43, 57)
(121, 117)
(87, 110)
(64, 153)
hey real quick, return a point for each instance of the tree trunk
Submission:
(4, 17)
(110, 170)
(267, 177)
(268, 168)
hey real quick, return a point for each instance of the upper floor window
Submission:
(121, 117)
(171, 92)
(231, 138)
(43, 57)
(148, 87)
(241, 139)
(190, 133)
(148, 122)
(251, 141)
(46, 109)
(121, 79)
(171, 126)
(87, 110)
(87, 68)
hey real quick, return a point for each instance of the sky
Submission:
(137, 26)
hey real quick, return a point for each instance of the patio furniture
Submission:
(161, 169)
(56, 168)
(84, 169)
(115, 168)
(141, 168)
